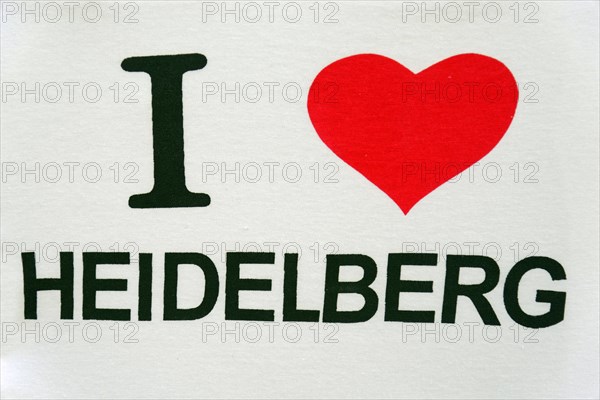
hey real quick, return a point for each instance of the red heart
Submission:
(409, 133)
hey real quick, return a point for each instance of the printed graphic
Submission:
(299, 199)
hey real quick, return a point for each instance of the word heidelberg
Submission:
(234, 284)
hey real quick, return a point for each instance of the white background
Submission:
(558, 214)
